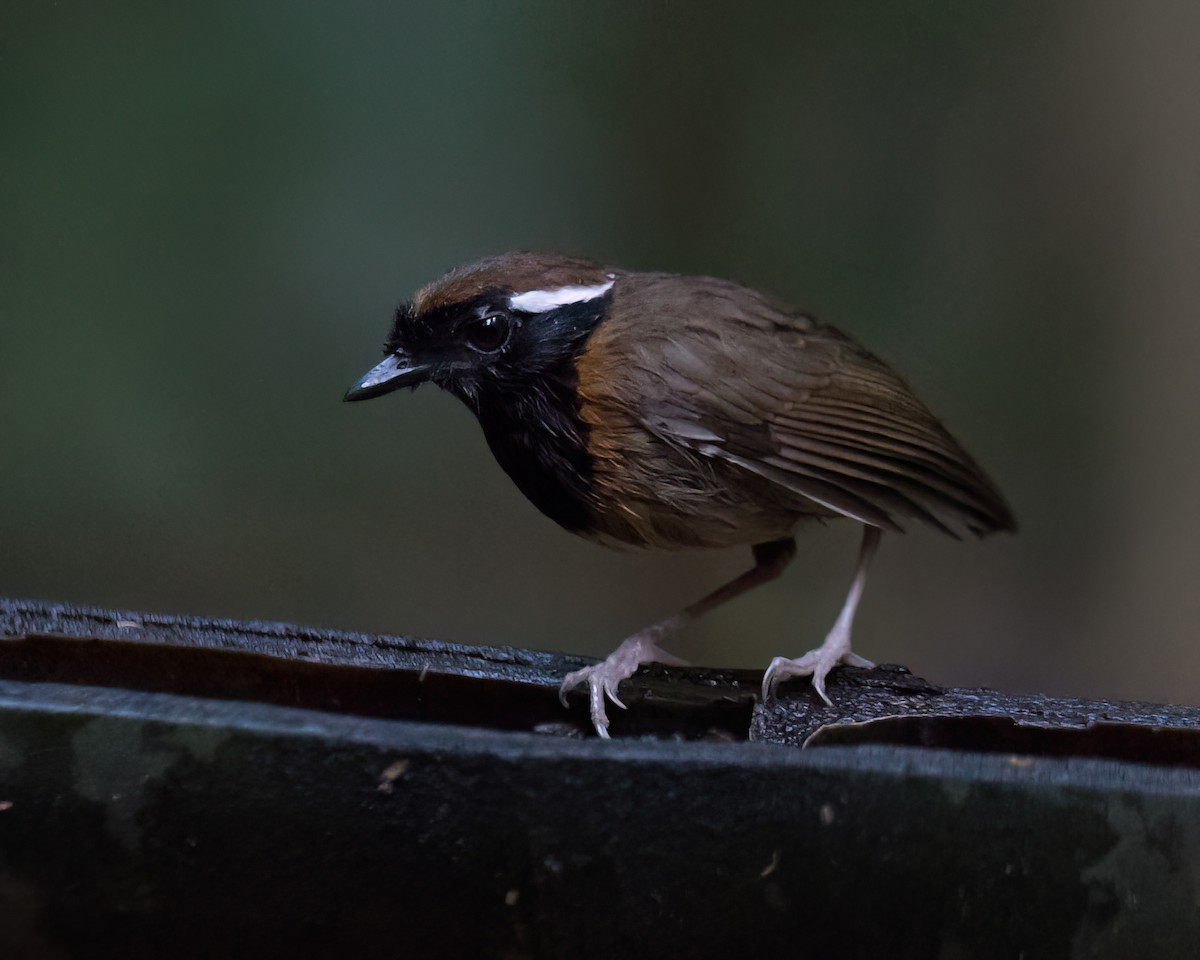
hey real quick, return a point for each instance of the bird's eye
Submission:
(487, 334)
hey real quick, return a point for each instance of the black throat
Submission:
(536, 436)
(531, 421)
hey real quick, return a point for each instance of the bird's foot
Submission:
(602, 678)
(816, 664)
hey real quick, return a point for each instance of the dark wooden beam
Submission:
(162, 795)
(506, 688)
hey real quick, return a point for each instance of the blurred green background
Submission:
(209, 211)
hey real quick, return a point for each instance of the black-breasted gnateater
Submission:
(671, 411)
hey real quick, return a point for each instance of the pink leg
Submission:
(836, 648)
(602, 678)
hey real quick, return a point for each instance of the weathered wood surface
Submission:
(513, 689)
(161, 796)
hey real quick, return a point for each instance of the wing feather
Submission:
(804, 406)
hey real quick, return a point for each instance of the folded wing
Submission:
(804, 406)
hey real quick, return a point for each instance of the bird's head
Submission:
(493, 324)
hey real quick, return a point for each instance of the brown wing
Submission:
(741, 379)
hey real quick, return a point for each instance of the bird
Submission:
(670, 411)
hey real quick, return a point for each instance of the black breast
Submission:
(536, 436)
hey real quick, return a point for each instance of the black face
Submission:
(483, 345)
(516, 370)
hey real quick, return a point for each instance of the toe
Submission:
(599, 715)
(771, 679)
(782, 669)
(570, 681)
(661, 656)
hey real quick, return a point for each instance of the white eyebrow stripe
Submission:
(539, 301)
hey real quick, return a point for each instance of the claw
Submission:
(603, 678)
(770, 680)
(818, 683)
(610, 688)
(570, 681)
(816, 664)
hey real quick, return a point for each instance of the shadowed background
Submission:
(208, 213)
